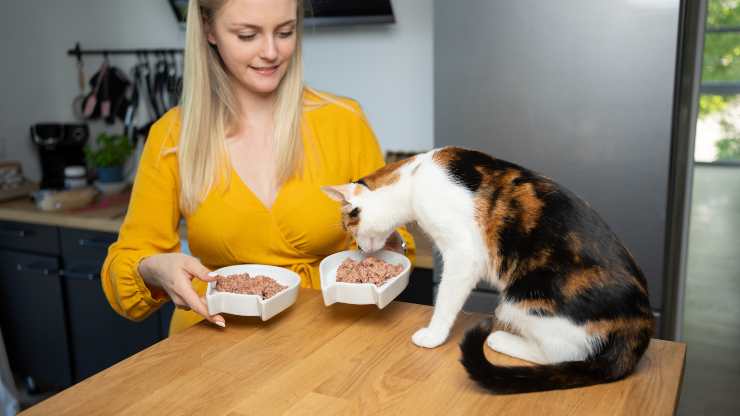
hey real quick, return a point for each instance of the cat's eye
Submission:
(354, 213)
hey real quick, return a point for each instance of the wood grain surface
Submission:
(342, 359)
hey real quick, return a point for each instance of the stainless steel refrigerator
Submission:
(582, 91)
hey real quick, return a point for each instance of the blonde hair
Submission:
(209, 109)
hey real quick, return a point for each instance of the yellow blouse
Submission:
(232, 226)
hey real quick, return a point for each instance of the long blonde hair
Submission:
(209, 110)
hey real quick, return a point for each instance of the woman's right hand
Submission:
(173, 272)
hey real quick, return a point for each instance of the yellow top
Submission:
(232, 226)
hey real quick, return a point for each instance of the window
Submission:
(718, 127)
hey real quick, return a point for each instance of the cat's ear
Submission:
(339, 193)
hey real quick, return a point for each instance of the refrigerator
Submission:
(581, 91)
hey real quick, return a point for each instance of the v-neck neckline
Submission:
(254, 196)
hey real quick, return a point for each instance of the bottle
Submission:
(75, 177)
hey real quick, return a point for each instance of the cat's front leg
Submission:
(454, 289)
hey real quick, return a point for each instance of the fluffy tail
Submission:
(507, 380)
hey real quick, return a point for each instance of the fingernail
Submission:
(212, 274)
(220, 323)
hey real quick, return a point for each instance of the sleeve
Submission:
(150, 226)
(367, 157)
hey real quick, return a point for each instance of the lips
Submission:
(265, 70)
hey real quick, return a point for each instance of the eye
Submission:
(247, 36)
(354, 213)
(285, 35)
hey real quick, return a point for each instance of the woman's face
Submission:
(256, 40)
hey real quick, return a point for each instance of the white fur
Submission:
(446, 212)
(556, 338)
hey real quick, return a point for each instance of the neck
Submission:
(256, 109)
(401, 194)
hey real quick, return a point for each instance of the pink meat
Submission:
(244, 284)
(369, 270)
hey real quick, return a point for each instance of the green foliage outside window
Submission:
(721, 62)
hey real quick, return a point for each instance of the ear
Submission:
(209, 32)
(339, 193)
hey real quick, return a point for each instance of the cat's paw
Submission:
(429, 338)
(497, 341)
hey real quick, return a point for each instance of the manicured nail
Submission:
(212, 274)
(221, 324)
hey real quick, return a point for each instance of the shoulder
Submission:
(331, 108)
(166, 130)
(163, 137)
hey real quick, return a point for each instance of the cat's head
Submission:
(362, 214)
(373, 206)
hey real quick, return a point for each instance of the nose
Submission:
(269, 49)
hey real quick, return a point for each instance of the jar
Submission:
(75, 177)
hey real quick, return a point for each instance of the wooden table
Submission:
(344, 359)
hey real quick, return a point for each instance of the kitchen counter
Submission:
(108, 216)
(343, 359)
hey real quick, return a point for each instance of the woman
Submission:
(242, 160)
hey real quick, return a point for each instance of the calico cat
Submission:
(573, 300)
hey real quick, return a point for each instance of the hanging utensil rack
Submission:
(78, 52)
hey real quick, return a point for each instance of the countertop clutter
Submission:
(344, 359)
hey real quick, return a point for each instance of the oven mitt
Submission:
(108, 97)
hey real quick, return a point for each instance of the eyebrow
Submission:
(251, 26)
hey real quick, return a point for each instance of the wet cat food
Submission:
(369, 270)
(244, 284)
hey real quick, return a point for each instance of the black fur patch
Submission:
(464, 167)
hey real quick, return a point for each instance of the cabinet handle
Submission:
(36, 268)
(94, 242)
(81, 275)
(15, 233)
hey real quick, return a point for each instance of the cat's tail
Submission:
(524, 379)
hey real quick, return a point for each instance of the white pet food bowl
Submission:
(362, 293)
(253, 305)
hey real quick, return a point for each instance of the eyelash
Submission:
(283, 35)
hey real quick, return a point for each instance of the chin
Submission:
(261, 88)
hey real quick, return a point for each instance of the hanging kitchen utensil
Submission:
(91, 101)
(133, 104)
(79, 100)
(149, 78)
(160, 82)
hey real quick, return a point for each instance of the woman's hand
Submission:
(173, 272)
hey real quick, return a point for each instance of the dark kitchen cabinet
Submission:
(33, 318)
(58, 327)
(98, 336)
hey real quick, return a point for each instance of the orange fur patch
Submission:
(604, 327)
(531, 206)
(584, 279)
(575, 245)
(444, 156)
(387, 175)
(547, 305)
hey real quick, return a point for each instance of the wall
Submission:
(387, 68)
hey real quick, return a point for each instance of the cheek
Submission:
(286, 47)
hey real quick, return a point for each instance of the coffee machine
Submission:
(59, 145)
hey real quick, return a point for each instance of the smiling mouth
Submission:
(267, 70)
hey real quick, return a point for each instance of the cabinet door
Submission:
(36, 238)
(33, 319)
(99, 336)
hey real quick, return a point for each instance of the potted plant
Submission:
(109, 155)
